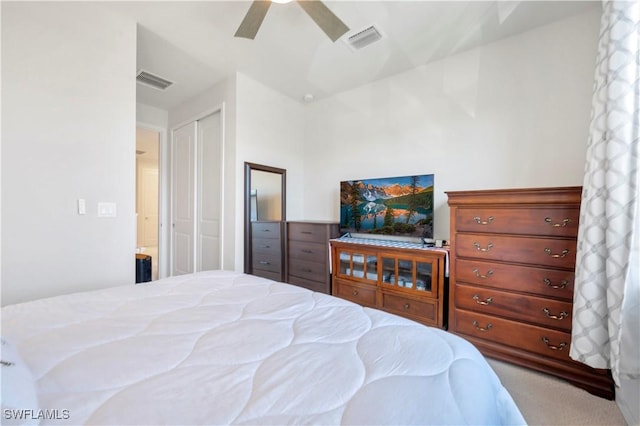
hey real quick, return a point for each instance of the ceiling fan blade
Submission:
(253, 19)
(326, 20)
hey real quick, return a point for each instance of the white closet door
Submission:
(209, 193)
(183, 196)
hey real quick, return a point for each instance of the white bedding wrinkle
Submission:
(221, 347)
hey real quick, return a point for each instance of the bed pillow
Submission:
(18, 398)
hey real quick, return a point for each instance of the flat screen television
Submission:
(397, 206)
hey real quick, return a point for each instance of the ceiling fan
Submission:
(332, 26)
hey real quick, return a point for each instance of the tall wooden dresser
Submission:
(513, 257)
(308, 254)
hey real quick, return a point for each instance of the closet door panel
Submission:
(196, 196)
(209, 193)
(183, 201)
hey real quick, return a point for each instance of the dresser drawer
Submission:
(266, 246)
(527, 279)
(363, 295)
(540, 340)
(548, 221)
(302, 250)
(537, 310)
(275, 276)
(266, 229)
(538, 251)
(267, 262)
(423, 309)
(317, 271)
(313, 285)
(311, 232)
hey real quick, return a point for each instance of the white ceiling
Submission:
(193, 44)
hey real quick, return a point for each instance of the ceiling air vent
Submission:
(152, 80)
(364, 38)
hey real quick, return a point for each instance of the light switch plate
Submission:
(107, 209)
(82, 206)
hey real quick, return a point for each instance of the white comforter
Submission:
(227, 348)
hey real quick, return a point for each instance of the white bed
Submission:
(227, 348)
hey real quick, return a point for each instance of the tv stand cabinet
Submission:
(405, 279)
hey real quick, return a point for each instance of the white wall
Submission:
(514, 113)
(260, 126)
(151, 116)
(270, 131)
(68, 132)
(219, 97)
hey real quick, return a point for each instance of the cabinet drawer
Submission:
(537, 310)
(545, 282)
(266, 229)
(313, 285)
(547, 221)
(317, 252)
(540, 340)
(317, 271)
(266, 246)
(267, 262)
(538, 251)
(308, 232)
(423, 309)
(362, 295)
(275, 276)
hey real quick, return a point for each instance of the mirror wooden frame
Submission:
(248, 168)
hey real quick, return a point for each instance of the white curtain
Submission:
(606, 316)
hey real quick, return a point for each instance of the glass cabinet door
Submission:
(408, 274)
(344, 263)
(372, 267)
(389, 270)
(405, 273)
(358, 265)
(424, 274)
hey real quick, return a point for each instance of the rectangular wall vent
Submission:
(152, 80)
(364, 38)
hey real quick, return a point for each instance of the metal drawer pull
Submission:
(560, 347)
(406, 306)
(266, 230)
(487, 275)
(264, 262)
(483, 222)
(563, 284)
(485, 302)
(307, 251)
(564, 253)
(483, 329)
(354, 292)
(562, 315)
(265, 246)
(557, 225)
(306, 270)
(306, 232)
(477, 246)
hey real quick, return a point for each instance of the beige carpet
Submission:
(546, 400)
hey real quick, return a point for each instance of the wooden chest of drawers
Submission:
(308, 254)
(513, 259)
(267, 250)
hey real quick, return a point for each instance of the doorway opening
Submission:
(147, 195)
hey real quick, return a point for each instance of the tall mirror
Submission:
(264, 210)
